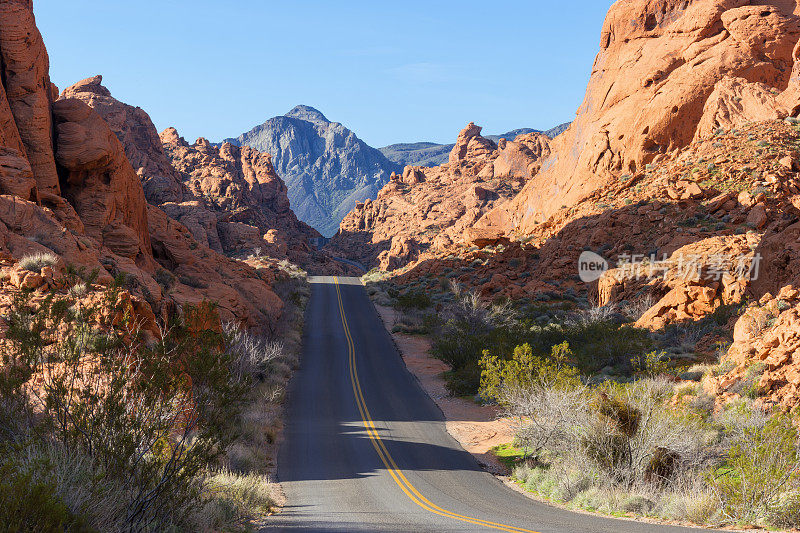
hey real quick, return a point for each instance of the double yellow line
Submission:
(398, 476)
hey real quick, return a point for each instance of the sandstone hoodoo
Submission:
(327, 168)
(427, 154)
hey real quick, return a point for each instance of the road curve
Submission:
(366, 449)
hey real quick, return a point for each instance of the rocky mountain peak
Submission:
(327, 168)
(307, 113)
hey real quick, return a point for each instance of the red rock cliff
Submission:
(660, 61)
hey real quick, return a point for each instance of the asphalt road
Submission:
(366, 449)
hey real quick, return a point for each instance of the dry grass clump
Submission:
(37, 261)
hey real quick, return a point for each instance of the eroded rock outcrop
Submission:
(229, 198)
(431, 208)
(240, 187)
(99, 181)
(135, 130)
(28, 92)
(68, 190)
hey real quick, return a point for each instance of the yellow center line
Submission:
(386, 458)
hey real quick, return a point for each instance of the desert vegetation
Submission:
(107, 427)
(609, 417)
(630, 448)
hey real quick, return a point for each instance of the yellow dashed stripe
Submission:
(386, 458)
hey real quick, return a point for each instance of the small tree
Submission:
(501, 378)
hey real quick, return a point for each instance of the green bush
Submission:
(524, 371)
(594, 345)
(413, 300)
(760, 469)
(28, 505)
(651, 364)
(465, 380)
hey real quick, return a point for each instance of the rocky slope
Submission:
(682, 164)
(660, 68)
(229, 198)
(701, 233)
(431, 208)
(68, 189)
(425, 154)
(327, 168)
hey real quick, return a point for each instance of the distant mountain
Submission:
(427, 154)
(325, 166)
(558, 130)
(511, 135)
(420, 154)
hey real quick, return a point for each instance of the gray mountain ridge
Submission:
(326, 167)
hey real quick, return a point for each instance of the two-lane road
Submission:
(366, 449)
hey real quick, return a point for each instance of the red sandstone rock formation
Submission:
(67, 188)
(132, 125)
(230, 199)
(27, 92)
(240, 187)
(431, 208)
(662, 77)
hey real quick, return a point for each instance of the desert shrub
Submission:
(524, 371)
(30, 505)
(470, 326)
(464, 380)
(594, 315)
(651, 364)
(252, 357)
(760, 473)
(292, 270)
(415, 322)
(635, 308)
(36, 262)
(624, 448)
(413, 300)
(152, 417)
(627, 433)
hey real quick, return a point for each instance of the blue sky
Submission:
(390, 71)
